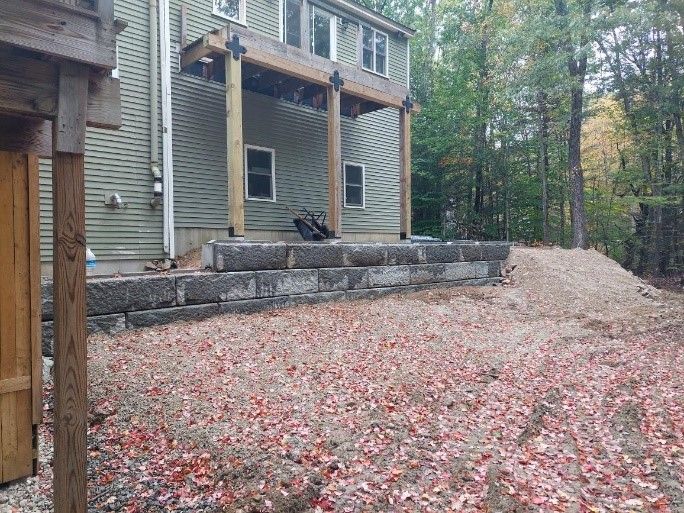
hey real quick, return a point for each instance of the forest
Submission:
(550, 122)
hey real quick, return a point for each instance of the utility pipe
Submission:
(158, 195)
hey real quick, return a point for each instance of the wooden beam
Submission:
(28, 87)
(57, 30)
(26, 135)
(405, 173)
(235, 148)
(36, 300)
(68, 195)
(300, 63)
(9, 385)
(334, 164)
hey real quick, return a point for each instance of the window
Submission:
(323, 33)
(259, 173)
(354, 185)
(291, 22)
(374, 55)
(233, 10)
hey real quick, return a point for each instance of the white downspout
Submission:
(167, 155)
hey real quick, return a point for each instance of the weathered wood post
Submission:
(54, 79)
(334, 157)
(234, 141)
(68, 195)
(405, 169)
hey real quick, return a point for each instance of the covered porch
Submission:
(258, 64)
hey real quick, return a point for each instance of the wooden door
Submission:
(20, 347)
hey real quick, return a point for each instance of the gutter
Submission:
(167, 155)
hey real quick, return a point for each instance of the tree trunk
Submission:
(544, 162)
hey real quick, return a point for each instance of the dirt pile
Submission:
(582, 283)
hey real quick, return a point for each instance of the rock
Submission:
(166, 315)
(249, 256)
(389, 276)
(215, 287)
(286, 282)
(314, 255)
(343, 278)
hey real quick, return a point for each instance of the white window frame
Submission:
(272, 199)
(372, 70)
(242, 20)
(333, 32)
(281, 23)
(346, 163)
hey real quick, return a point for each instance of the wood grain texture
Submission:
(69, 126)
(15, 342)
(54, 30)
(34, 256)
(26, 135)
(22, 311)
(405, 173)
(29, 87)
(69, 333)
(334, 163)
(235, 146)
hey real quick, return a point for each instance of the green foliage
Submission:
(493, 81)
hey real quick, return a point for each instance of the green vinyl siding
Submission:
(262, 17)
(398, 58)
(118, 161)
(347, 48)
(299, 137)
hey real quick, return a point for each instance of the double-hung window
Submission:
(259, 173)
(233, 10)
(374, 51)
(291, 22)
(323, 34)
(354, 185)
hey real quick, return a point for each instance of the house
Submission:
(236, 110)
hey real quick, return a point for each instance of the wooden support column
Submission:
(334, 163)
(405, 172)
(235, 147)
(68, 195)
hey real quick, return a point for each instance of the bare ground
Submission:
(562, 392)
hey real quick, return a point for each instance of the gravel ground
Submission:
(561, 392)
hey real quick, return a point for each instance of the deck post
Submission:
(334, 163)
(69, 246)
(405, 173)
(235, 147)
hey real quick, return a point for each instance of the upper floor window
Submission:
(233, 10)
(291, 25)
(323, 33)
(374, 51)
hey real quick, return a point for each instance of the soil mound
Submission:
(581, 281)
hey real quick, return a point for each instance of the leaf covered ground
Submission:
(558, 393)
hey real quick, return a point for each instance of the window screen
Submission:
(321, 28)
(353, 185)
(231, 9)
(374, 51)
(260, 166)
(292, 20)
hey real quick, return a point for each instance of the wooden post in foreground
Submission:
(234, 145)
(405, 172)
(334, 162)
(68, 194)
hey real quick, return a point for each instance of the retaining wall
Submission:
(249, 277)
